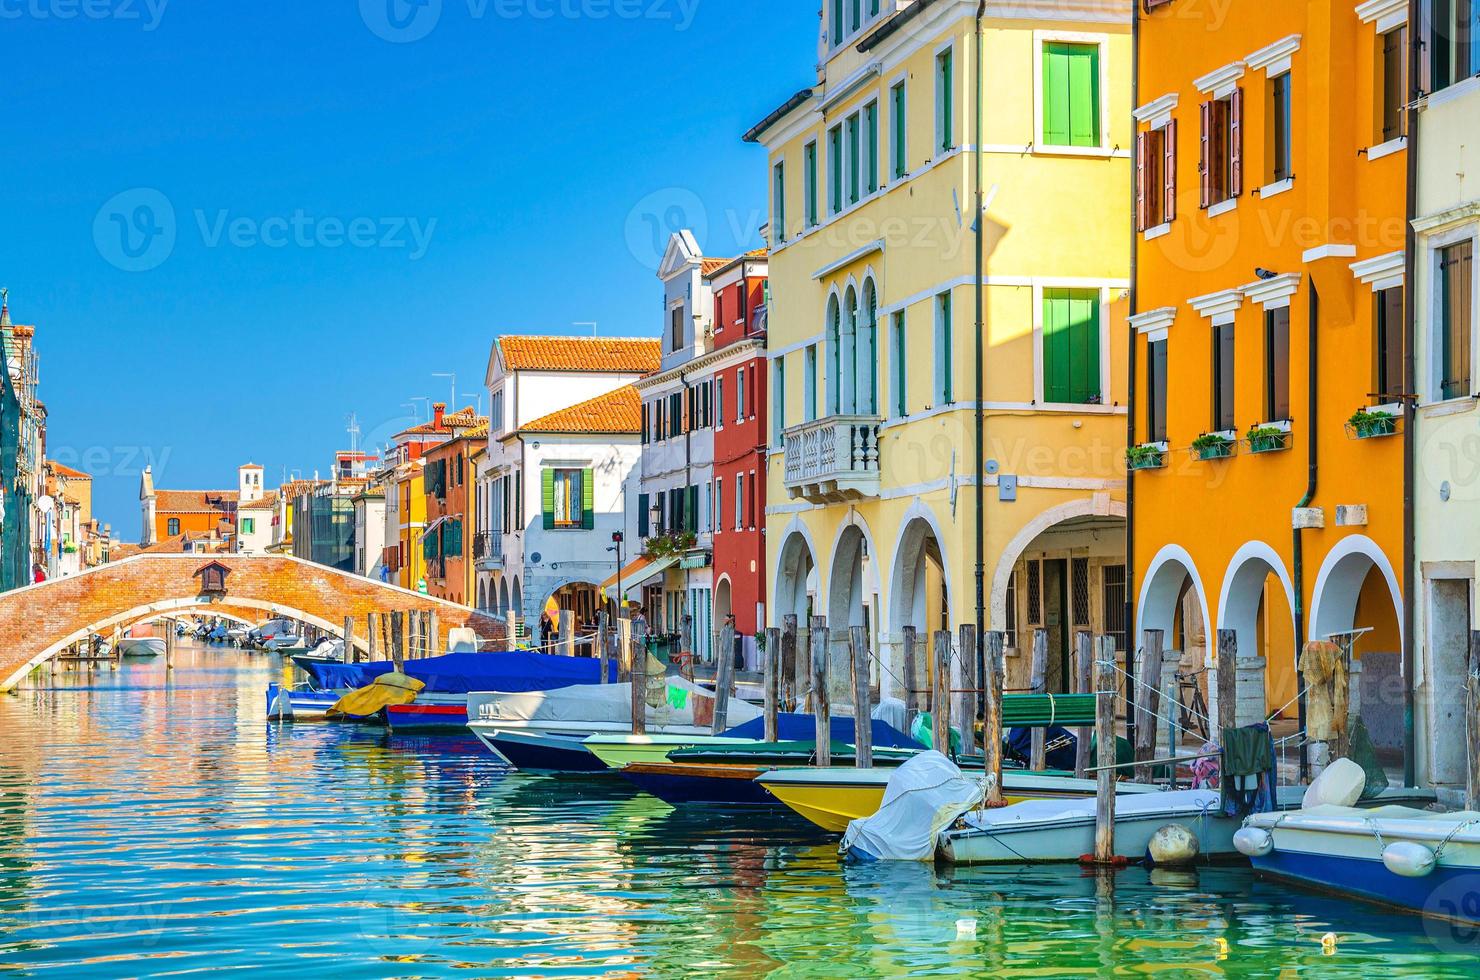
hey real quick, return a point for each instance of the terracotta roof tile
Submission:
(68, 471)
(267, 502)
(621, 355)
(195, 501)
(615, 412)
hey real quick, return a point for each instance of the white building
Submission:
(370, 529)
(558, 478)
(254, 511)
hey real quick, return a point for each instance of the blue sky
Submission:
(235, 224)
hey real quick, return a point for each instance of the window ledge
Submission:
(1157, 231)
(1452, 406)
(1451, 92)
(1278, 187)
(1222, 207)
(1053, 150)
(1387, 149)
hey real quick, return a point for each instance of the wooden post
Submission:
(965, 707)
(566, 626)
(863, 732)
(624, 651)
(790, 673)
(940, 695)
(821, 710)
(1472, 723)
(511, 623)
(909, 637)
(1227, 679)
(724, 678)
(1148, 703)
(1038, 681)
(386, 644)
(603, 642)
(992, 715)
(1105, 688)
(773, 684)
(1084, 656)
(349, 639)
(369, 636)
(639, 686)
(398, 640)
(434, 641)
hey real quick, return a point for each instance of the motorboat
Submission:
(619, 749)
(140, 647)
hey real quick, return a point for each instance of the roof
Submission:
(67, 471)
(617, 355)
(194, 501)
(779, 113)
(615, 412)
(891, 26)
(267, 502)
(754, 255)
(709, 266)
(466, 418)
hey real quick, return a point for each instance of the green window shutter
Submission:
(588, 499)
(642, 516)
(547, 497)
(693, 513)
(1071, 345)
(1084, 97)
(1055, 95)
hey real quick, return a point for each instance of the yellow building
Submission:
(876, 474)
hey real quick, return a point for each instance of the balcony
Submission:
(488, 549)
(833, 459)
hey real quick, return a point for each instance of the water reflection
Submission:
(152, 822)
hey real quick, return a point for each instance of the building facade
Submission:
(1269, 310)
(450, 476)
(878, 484)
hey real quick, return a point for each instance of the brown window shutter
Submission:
(1204, 167)
(1236, 143)
(1140, 181)
(1169, 174)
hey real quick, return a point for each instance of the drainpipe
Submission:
(1130, 418)
(1312, 442)
(981, 450)
(1410, 409)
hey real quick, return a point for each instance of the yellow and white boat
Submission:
(830, 798)
(618, 750)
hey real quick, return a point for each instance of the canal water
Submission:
(154, 826)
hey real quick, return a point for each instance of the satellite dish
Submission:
(45, 504)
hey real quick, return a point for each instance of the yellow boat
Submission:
(830, 798)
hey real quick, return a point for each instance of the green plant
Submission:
(1265, 438)
(1211, 445)
(1367, 424)
(1144, 457)
(668, 544)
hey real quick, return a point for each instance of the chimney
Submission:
(439, 410)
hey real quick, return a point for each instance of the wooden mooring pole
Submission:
(398, 640)
(624, 651)
(863, 731)
(910, 639)
(773, 677)
(1105, 688)
(603, 642)
(1148, 703)
(1084, 657)
(940, 695)
(1472, 723)
(821, 709)
(724, 679)
(965, 707)
(1038, 682)
(349, 639)
(636, 655)
(1227, 681)
(992, 715)
(791, 677)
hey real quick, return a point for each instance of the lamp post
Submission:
(617, 538)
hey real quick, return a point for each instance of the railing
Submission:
(835, 458)
(488, 546)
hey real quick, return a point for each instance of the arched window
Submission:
(849, 402)
(867, 345)
(834, 361)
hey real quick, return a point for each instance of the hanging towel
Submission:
(1327, 691)
(1247, 770)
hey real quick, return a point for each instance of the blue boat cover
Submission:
(803, 728)
(514, 672)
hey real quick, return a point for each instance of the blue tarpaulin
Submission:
(803, 728)
(459, 673)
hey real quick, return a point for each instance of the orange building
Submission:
(449, 478)
(1266, 481)
(174, 513)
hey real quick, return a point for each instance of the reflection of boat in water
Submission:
(141, 647)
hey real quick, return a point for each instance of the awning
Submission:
(638, 573)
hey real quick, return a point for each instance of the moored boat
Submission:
(680, 783)
(140, 648)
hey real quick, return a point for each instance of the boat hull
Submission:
(541, 754)
(678, 784)
(620, 750)
(451, 719)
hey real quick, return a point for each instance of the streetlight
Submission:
(617, 538)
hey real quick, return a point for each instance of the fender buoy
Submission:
(1409, 859)
(1253, 841)
(1173, 845)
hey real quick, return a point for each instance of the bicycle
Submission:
(1191, 704)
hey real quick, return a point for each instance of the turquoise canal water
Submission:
(153, 827)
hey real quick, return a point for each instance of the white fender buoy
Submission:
(1173, 844)
(1408, 858)
(1253, 842)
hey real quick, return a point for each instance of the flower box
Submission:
(1271, 438)
(1213, 445)
(1372, 424)
(1147, 456)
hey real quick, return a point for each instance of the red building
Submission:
(741, 437)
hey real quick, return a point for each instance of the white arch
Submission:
(1243, 590)
(918, 510)
(812, 584)
(841, 564)
(1342, 573)
(1156, 608)
(1083, 507)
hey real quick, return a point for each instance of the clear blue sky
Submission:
(182, 181)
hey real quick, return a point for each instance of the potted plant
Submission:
(1148, 456)
(1368, 424)
(666, 545)
(1266, 438)
(1212, 445)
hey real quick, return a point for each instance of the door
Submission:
(1056, 622)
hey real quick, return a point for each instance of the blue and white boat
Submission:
(1413, 860)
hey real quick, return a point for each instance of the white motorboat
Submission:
(140, 647)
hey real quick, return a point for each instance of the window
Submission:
(719, 505)
(853, 158)
(871, 147)
(778, 399)
(809, 385)
(1071, 94)
(1010, 625)
(739, 501)
(1387, 322)
(173, 527)
(837, 28)
(778, 204)
(1071, 346)
(750, 503)
(900, 365)
(1277, 364)
(1112, 596)
(809, 160)
(945, 137)
(1454, 41)
(1221, 166)
(1156, 391)
(1456, 318)
(1278, 149)
(1392, 82)
(944, 359)
(676, 329)
(898, 132)
(249, 525)
(1156, 176)
(740, 395)
(719, 399)
(835, 169)
(568, 498)
(1223, 377)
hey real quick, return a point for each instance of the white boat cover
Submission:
(1174, 803)
(924, 797)
(894, 713)
(670, 700)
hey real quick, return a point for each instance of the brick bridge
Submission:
(39, 621)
